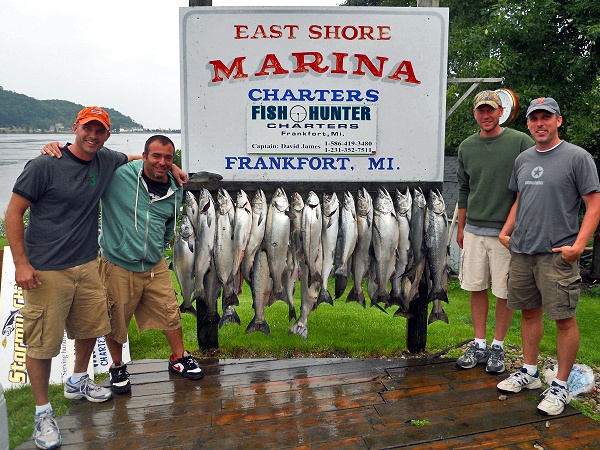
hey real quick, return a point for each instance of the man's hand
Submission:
(26, 277)
(504, 240)
(180, 176)
(569, 253)
(52, 149)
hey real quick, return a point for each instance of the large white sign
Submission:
(13, 368)
(328, 94)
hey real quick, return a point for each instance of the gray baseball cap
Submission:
(544, 103)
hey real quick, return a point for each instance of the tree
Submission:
(541, 48)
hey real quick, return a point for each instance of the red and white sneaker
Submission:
(186, 366)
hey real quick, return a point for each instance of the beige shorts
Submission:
(546, 281)
(484, 261)
(70, 299)
(149, 296)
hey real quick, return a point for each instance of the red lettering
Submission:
(364, 59)
(259, 33)
(228, 71)
(238, 31)
(314, 32)
(405, 68)
(339, 62)
(291, 28)
(275, 31)
(384, 34)
(302, 64)
(348, 37)
(271, 62)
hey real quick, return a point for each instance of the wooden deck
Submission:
(320, 403)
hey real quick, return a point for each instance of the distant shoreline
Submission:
(5, 131)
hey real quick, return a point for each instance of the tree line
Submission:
(542, 48)
(18, 111)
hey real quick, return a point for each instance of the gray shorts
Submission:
(546, 281)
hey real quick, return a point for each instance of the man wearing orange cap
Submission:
(56, 261)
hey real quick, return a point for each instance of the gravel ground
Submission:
(514, 361)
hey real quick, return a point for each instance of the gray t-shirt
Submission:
(551, 185)
(65, 194)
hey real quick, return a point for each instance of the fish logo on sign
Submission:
(9, 325)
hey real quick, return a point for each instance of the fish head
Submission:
(205, 201)
(259, 202)
(185, 227)
(364, 202)
(312, 199)
(224, 201)
(383, 202)
(280, 200)
(403, 201)
(435, 202)
(419, 198)
(330, 204)
(243, 202)
(349, 201)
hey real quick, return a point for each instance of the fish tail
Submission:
(299, 329)
(211, 319)
(230, 315)
(324, 297)
(441, 315)
(187, 309)
(258, 325)
(291, 312)
(341, 282)
(357, 296)
(437, 294)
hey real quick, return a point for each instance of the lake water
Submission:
(17, 149)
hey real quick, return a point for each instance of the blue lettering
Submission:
(302, 160)
(252, 96)
(315, 163)
(328, 163)
(229, 162)
(343, 161)
(245, 163)
(287, 163)
(260, 162)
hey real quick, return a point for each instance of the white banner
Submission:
(13, 369)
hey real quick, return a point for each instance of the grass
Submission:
(344, 329)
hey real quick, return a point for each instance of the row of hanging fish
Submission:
(273, 245)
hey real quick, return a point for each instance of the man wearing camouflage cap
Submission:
(543, 234)
(485, 162)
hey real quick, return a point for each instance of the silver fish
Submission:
(224, 255)
(190, 208)
(296, 208)
(312, 225)
(385, 243)
(257, 233)
(361, 255)
(183, 261)
(347, 237)
(404, 256)
(288, 279)
(277, 238)
(241, 230)
(417, 229)
(436, 243)
(329, 233)
(308, 294)
(205, 240)
(261, 289)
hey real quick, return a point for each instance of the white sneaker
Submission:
(519, 380)
(555, 399)
(45, 430)
(88, 389)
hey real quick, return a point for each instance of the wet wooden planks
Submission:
(320, 403)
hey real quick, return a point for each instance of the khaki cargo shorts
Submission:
(546, 281)
(70, 299)
(149, 296)
(484, 260)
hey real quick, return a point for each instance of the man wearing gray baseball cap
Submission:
(543, 234)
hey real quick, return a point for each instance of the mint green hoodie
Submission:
(135, 231)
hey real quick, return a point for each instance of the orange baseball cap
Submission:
(93, 113)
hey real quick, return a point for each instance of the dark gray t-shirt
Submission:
(551, 185)
(65, 194)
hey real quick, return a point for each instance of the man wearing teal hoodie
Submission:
(139, 211)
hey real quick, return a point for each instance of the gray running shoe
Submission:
(555, 399)
(473, 356)
(519, 380)
(495, 363)
(88, 389)
(45, 430)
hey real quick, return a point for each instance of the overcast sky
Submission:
(122, 54)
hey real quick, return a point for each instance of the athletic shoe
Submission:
(186, 366)
(88, 389)
(45, 430)
(555, 399)
(473, 356)
(119, 379)
(495, 363)
(518, 381)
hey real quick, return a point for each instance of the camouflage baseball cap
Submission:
(487, 98)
